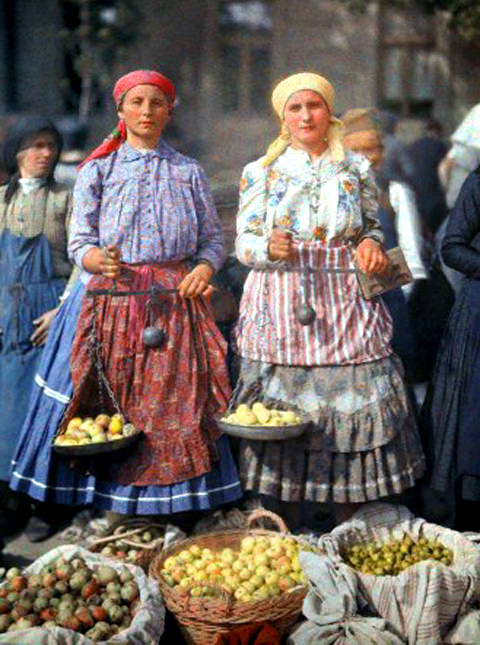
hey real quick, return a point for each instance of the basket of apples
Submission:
(87, 436)
(218, 581)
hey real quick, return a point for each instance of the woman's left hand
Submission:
(197, 282)
(371, 257)
(42, 324)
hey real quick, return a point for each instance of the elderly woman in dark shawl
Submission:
(34, 211)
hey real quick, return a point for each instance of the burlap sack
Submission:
(424, 601)
(334, 607)
(145, 629)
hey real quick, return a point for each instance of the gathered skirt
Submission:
(363, 442)
(47, 477)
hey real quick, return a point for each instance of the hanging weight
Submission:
(305, 314)
(153, 337)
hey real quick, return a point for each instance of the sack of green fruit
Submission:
(418, 576)
(70, 596)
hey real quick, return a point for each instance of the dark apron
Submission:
(28, 289)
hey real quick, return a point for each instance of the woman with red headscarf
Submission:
(142, 216)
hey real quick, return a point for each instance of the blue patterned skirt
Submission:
(47, 477)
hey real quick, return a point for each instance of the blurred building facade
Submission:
(226, 55)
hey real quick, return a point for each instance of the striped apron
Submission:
(347, 329)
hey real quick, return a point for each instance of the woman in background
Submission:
(34, 215)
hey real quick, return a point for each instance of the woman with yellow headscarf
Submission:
(305, 334)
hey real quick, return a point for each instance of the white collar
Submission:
(29, 184)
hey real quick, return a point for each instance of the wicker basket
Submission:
(125, 529)
(200, 619)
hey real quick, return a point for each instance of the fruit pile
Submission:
(393, 557)
(81, 432)
(264, 566)
(98, 603)
(259, 415)
(122, 549)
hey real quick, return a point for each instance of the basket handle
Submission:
(262, 513)
(120, 532)
(145, 546)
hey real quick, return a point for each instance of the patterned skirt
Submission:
(47, 477)
(362, 444)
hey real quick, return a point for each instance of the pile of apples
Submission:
(97, 602)
(259, 415)
(103, 428)
(264, 567)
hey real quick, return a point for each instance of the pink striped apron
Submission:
(347, 328)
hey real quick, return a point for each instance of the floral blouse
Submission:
(323, 200)
(155, 205)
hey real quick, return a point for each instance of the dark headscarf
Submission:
(23, 130)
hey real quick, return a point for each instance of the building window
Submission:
(245, 32)
(408, 79)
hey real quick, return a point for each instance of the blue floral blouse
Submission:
(323, 200)
(155, 205)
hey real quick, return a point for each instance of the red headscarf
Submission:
(125, 83)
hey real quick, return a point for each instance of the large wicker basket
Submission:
(200, 619)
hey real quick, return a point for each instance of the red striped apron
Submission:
(347, 328)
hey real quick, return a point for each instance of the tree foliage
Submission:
(96, 35)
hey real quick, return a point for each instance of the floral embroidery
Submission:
(272, 175)
(286, 220)
(320, 233)
(320, 203)
(255, 225)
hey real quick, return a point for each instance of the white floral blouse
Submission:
(323, 200)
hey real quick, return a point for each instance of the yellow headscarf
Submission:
(283, 91)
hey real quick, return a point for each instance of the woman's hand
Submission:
(105, 261)
(371, 257)
(110, 262)
(197, 282)
(280, 245)
(42, 324)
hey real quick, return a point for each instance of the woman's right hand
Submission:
(105, 261)
(110, 263)
(280, 245)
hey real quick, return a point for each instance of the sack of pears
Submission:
(418, 576)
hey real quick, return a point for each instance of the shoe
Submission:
(38, 529)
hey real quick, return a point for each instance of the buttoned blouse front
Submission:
(323, 201)
(155, 205)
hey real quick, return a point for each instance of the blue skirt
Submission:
(47, 477)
